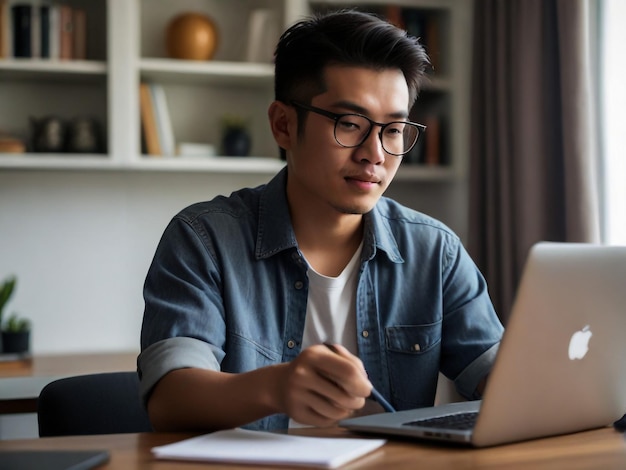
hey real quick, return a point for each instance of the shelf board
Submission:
(209, 164)
(45, 69)
(241, 165)
(44, 161)
(31, 161)
(220, 72)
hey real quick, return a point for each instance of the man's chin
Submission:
(354, 209)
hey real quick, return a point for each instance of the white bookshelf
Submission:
(129, 47)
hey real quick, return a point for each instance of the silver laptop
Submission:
(560, 367)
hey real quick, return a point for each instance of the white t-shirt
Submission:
(331, 309)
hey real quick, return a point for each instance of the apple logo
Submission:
(579, 343)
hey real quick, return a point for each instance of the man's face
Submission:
(325, 176)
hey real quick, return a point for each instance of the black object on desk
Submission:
(620, 424)
(52, 459)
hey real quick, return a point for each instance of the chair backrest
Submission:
(104, 403)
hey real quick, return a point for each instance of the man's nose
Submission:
(371, 149)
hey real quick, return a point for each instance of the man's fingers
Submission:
(344, 369)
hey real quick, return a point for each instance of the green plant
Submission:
(233, 121)
(8, 286)
(16, 325)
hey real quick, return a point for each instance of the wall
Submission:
(81, 242)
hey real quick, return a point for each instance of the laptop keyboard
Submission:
(460, 421)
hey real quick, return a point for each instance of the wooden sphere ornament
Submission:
(191, 36)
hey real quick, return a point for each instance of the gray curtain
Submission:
(533, 147)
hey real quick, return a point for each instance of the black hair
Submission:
(345, 37)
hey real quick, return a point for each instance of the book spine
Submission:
(148, 120)
(164, 123)
(432, 43)
(54, 31)
(66, 39)
(44, 18)
(432, 144)
(263, 32)
(414, 22)
(35, 30)
(393, 14)
(4, 29)
(21, 15)
(80, 34)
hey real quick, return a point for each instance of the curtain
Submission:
(533, 164)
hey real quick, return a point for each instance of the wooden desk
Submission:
(20, 383)
(603, 448)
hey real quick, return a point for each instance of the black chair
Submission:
(105, 403)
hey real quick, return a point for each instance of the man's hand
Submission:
(320, 386)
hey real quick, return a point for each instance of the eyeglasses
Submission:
(397, 137)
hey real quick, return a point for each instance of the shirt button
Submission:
(291, 344)
(416, 347)
(298, 285)
(365, 334)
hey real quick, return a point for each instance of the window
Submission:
(613, 129)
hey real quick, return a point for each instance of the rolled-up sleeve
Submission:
(170, 354)
(468, 380)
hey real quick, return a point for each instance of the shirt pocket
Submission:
(413, 339)
(245, 354)
(413, 353)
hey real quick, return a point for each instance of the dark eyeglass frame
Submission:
(337, 116)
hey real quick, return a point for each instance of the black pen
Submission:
(376, 395)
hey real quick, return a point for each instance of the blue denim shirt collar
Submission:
(272, 237)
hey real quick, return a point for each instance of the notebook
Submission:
(560, 367)
(243, 446)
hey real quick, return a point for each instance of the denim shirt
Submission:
(227, 290)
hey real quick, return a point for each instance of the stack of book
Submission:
(46, 31)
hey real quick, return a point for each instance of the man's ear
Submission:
(283, 124)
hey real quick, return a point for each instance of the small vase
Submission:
(191, 36)
(15, 342)
(236, 142)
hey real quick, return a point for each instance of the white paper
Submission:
(244, 446)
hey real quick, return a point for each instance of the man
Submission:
(244, 289)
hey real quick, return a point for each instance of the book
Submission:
(432, 42)
(163, 119)
(414, 22)
(195, 149)
(432, 141)
(21, 24)
(241, 446)
(5, 30)
(263, 33)
(66, 32)
(35, 30)
(44, 23)
(54, 31)
(148, 120)
(11, 144)
(393, 14)
(79, 34)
